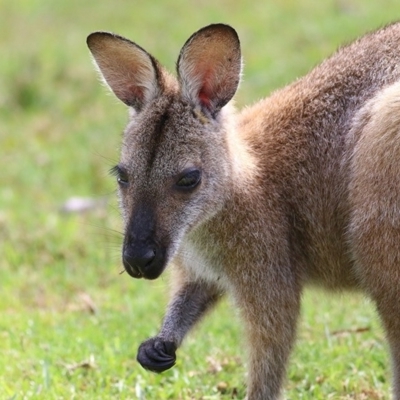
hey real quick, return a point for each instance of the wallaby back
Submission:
(302, 187)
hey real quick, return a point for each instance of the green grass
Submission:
(70, 323)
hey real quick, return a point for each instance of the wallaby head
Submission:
(175, 170)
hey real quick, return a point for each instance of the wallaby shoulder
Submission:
(298, 134)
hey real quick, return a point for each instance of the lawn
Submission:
(70, 321)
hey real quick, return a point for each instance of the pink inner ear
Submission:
(131, 94)
(204, 98)
(136, 92)
(206, 91)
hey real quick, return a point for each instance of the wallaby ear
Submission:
(131, 73)
(209, 67)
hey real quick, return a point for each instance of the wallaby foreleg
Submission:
(189, 304)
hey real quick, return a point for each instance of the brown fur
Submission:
(301, 188)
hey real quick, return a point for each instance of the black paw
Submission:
(156, 355)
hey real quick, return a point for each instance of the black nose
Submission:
(138, 261)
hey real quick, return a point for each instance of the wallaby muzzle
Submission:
(142, 255)
(143, 261)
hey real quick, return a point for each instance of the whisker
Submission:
(109, 160)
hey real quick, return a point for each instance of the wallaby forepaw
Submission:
(156, 355)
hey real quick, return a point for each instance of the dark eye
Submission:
(122, 180)
(121, 174)
(188, 179)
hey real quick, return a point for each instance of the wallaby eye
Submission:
(121, 174)
(122, 180)
(188, 179)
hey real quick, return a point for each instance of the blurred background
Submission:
(70, 323)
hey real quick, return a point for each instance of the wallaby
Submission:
(301, 188)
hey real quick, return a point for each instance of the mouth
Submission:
(133, 272)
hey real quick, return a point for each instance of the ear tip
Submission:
(221, 28)
(226, 27)
(214, 31)
(93, 38)
(219, 25)
(98, 37)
